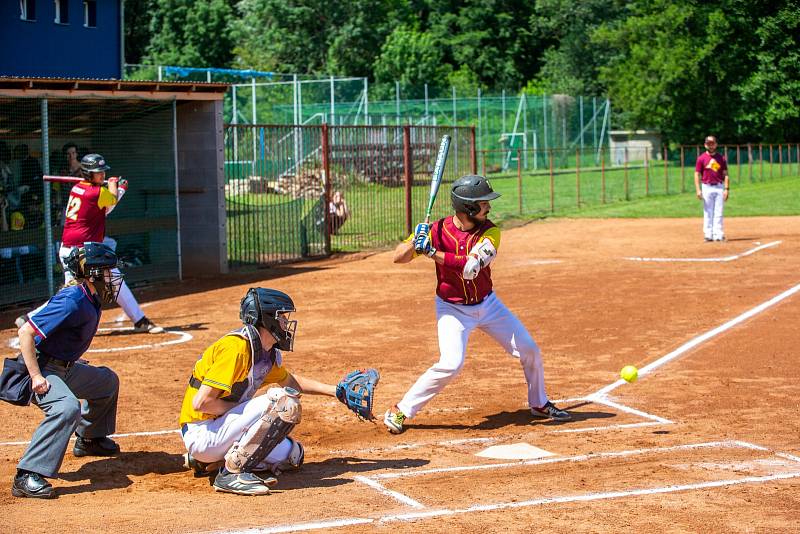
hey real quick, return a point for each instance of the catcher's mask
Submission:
(97, 263)
(271, 309)
(467, 191)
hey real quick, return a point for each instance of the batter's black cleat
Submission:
(33, 485)
(145, 325)
(549, 411)
(95, 447)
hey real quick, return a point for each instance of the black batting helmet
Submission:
(467, 191)
(94, 163)
(262, 307)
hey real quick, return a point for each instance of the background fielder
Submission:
(462, 246)
(712, 169)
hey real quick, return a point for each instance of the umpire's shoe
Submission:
(95, 447)
(28, 484)
(243, 483)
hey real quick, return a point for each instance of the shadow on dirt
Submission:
(114, 473)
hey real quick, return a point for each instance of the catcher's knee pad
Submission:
(279, 418)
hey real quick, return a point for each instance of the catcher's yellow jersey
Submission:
(226, 365)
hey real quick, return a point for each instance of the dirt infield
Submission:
(708, 440)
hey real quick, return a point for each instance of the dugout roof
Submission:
(154, 90)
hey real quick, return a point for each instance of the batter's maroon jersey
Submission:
(86, 214)
(456, 244)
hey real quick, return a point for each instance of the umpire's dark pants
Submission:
(93, 417)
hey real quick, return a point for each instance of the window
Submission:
(90, 13)
(27, 9)
(62, 11)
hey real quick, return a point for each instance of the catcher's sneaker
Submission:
(394, 421)
(95, 447)
(200, 469)
(549, 411)
(33, 485)
(145, 325)
(243, 483)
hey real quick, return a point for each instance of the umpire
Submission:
(52, 341)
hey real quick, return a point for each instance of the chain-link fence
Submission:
(302, 191)
(49, 137)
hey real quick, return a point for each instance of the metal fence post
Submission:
(473, 155)
(552, 183)
(519, 181)
(646, 174)
(48, 226)
(326, 198)
(780, 158)
(738, 165)
(666, 173)
(408, 174)
(770, 160)
(578, 177)
(625, 166)
(603, 174)
(760, 162)
(683, 171)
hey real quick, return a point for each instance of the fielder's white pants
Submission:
(456, 323)
(713, 204)
(125, 299)
(209, 440)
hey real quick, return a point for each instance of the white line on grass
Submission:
(649, 368)
(722, 259)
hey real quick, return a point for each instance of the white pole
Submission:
(480, 128)
(525, 131)
(397, 100)
(208, 75)
(366, 101)
(580, 101)
(48, 226)
(544, 118)
(594, 121)
(426, 103)
(504, 111)
(333, 102)
(159, 73)
(253, 130)
(235, 130)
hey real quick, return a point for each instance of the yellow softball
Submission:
(629, 373)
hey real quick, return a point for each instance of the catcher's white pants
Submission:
(713, 204)
(209, 440)
(455, 323)
(125, 299)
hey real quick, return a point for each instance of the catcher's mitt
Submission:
(357, 391)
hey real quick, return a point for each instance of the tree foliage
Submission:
(686, 68)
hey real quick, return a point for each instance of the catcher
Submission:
(242, 437)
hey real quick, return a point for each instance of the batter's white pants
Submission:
(209, 440)
(125, 299)
(713, 204)
(456, 323)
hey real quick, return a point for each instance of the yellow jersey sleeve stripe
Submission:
(106, 199)
(217, 385)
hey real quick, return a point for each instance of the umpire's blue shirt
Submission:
(66, 324)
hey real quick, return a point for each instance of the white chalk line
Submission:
(183, 337)
(405, 499)
(584, 497)
(721, 259)
(558, 459)
(649, 368)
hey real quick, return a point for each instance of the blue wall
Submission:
(46, 49)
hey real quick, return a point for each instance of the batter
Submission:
(463, 246)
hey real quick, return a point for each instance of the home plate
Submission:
(515, 451)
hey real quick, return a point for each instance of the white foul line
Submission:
(699, 339)
(584, 497)
(722, 259)
(405, 499)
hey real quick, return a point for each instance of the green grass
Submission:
(781, 196)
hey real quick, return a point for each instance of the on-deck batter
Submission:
(462, 246)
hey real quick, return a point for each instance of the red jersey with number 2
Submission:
(86, 214)
(456, 244)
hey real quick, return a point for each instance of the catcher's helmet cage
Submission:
(264, 307)
(94, 262)
(94, 163)
(467, 191)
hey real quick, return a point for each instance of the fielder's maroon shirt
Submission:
(713, 167)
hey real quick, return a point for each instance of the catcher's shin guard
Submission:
(278, 419)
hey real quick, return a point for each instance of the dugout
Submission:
(164, 137)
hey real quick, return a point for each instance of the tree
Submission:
(413, 59)
(191, 34)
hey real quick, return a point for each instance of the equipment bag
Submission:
(15, 383)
